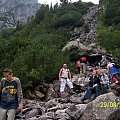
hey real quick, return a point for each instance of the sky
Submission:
(55, 1)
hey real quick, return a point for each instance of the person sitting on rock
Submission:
(94, 87)
(65, 78)
(104, 80)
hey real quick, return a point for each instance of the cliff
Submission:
(12, 11)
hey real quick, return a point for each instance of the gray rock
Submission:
(73, 112)
(101, 108)
(39, 94)
(33, 113)
(16, 10)
(60, 114)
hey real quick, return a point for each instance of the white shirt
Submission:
(64, 73)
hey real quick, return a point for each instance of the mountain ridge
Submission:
(13, 11)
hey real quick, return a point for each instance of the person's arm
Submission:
(90, 82)
(1, 83)
(102, 80)
(69, 74)
(19, 95)
(60, 74)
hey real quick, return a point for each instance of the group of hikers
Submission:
(99, 80)
(11, 96)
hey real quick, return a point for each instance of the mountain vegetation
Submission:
(34, 50)
(109, 27)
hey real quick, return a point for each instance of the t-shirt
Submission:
(64, 73)
(11, 93)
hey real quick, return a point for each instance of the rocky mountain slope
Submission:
(83, 41)
(68, 107)
(12, 11)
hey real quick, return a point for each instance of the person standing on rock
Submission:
(65, 78)
(11, 95)
(83, 65)
(78, 66)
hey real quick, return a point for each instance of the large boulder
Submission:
(73, 112)
(73, 44)
(102, 108)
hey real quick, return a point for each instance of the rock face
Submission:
(12, 11)
(102, 108)
(85, 36)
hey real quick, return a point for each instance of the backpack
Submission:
(116, 66)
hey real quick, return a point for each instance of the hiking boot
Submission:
(81, 102)
(87, 101)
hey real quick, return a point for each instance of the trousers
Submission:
(64, 82)
(7, 114)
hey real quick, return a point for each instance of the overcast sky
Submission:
(54, 1)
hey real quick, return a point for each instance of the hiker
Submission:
(104, 80)
(109, 65)
(65, 78)
(11, 95)
(94, 87)
(83, 61)
(78, 66)
(113, 72)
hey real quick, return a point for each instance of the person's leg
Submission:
(3, 114)
(97, 90)
(105, 88)
(62, 85)
(78, 70)
(84, 68)
(88, 94)
(11, 114)
(81, 68)
(70, 84)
